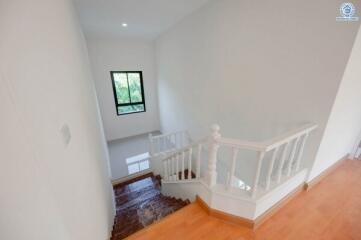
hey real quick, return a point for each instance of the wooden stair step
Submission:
(140, 203)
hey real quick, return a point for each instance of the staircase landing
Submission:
(139, 203)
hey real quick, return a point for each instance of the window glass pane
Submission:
(134, 87)
(121, 87)
(137, 158)
(131, 109)
(133, 168)
(143, 165)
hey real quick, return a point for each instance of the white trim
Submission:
(269, 144)
(256, 146)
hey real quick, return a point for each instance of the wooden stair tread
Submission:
(140, 203)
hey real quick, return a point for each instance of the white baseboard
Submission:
(312, 182)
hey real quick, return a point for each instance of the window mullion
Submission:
(129, 104)
(130, 99)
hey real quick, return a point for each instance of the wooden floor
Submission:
(331, 210)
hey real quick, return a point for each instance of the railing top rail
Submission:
(288, 136)
(249, 145)
(269, 144)
(172, 153)
(262, 146)
(166, 134)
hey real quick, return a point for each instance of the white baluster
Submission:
(151, 144)
(190, 164)
(228, 181)
(171, 146)
(181, 139)
(170, 141)
(300, 153)
(173, 167)
(165, 168)
(211, 173)
(163, 144)
(182, 174)
(169, 169)
(280, 166)
(188, 137)
(154, 142)
(270, 168)
(233, 167)
(158, 145)
(174, 142)
(185, 143)
(198, 163)
(167, 142)
(177, 167)
(292, 157)
(258, 172)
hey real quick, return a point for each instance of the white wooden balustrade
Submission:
(180, 165)
(285, 158)
(165, 143)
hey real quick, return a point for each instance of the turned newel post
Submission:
(211, 173)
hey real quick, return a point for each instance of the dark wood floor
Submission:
(331, 210)
(140, 203)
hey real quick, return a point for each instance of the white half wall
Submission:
(344, 125)
(257, 68)
(124, 55)
(234, 201)
(53, 185)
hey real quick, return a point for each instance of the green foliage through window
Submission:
(128, 92)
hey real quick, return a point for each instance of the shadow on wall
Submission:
(121, 149)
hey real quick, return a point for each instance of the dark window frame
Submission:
(117, 105)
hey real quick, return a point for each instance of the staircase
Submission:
(139, 203)
(237, 178)
(233, 176)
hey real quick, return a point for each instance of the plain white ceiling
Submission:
(145, 18)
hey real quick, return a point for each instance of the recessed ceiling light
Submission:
(125, 24)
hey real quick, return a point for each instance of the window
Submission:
(138, 163)
(128, 91)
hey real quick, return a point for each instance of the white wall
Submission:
(356, 153)
(121, 149)
(257, 68)
(49, 190)
(124, 55)
(344, 126)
